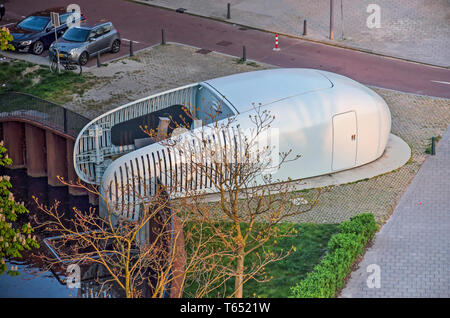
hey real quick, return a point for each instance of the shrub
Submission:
(5, 39)
(343, 248)
(13, 237)
(363, 224)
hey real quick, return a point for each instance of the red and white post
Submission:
(276, 48)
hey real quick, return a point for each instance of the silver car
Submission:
(78, 44)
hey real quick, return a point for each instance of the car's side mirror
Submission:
(48, 29)
(92, 39)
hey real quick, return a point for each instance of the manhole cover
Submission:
(203, 51)
(224, 43)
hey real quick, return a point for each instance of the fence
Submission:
(29, 107)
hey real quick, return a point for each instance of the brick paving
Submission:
(413, 29)
(413, 249)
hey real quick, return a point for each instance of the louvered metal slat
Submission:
(144, 176)
(149, 173)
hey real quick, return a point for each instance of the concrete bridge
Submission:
(40, 136)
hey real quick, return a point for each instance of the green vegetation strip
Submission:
(307, 243)
(308, 246)
(328, 277)
(26, 77)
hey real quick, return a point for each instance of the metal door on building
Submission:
(344, 141)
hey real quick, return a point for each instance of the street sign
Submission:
(55, 19)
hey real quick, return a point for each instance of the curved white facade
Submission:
(333, 122)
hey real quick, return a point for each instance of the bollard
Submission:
(98, 60)
(331, 19)
(433, 146)
(163, 37)
(304, 28)
(276, 48)
(244, 54)
(131, 48)
(228, 11)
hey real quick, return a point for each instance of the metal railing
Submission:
(93, 145)
(54, 116)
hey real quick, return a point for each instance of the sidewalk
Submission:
(412, 249)
(415, 30)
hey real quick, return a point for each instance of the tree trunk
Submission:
(239, 282)
(127, 284)
(127, 290)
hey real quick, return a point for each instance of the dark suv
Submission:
(35, 33)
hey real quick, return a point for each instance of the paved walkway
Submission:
(413, 248)
(412, 29)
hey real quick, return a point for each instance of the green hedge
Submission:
(343, 248)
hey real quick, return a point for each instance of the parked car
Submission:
(35, 33)
(78, 44)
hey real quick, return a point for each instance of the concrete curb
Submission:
(323, 42)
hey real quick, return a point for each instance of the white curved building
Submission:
(333, 122)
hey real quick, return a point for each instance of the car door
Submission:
(63, 25)
(49, 32)
(94, 43)
(48, 35)
(103, 37)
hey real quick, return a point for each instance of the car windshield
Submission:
(34, 23)
(76, 35)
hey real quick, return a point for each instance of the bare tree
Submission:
(228, 190)
(144, 257)
(221, 196)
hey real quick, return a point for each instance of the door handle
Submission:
(353, 137)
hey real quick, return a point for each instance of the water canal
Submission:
(34, 280)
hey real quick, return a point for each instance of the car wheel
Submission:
(38, 47)
(84, 57)
(115, 47)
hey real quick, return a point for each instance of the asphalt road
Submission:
(143, 24)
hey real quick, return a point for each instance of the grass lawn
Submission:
(26, 77)
(310, 243)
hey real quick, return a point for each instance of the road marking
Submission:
(123, 39)
(441, 82)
